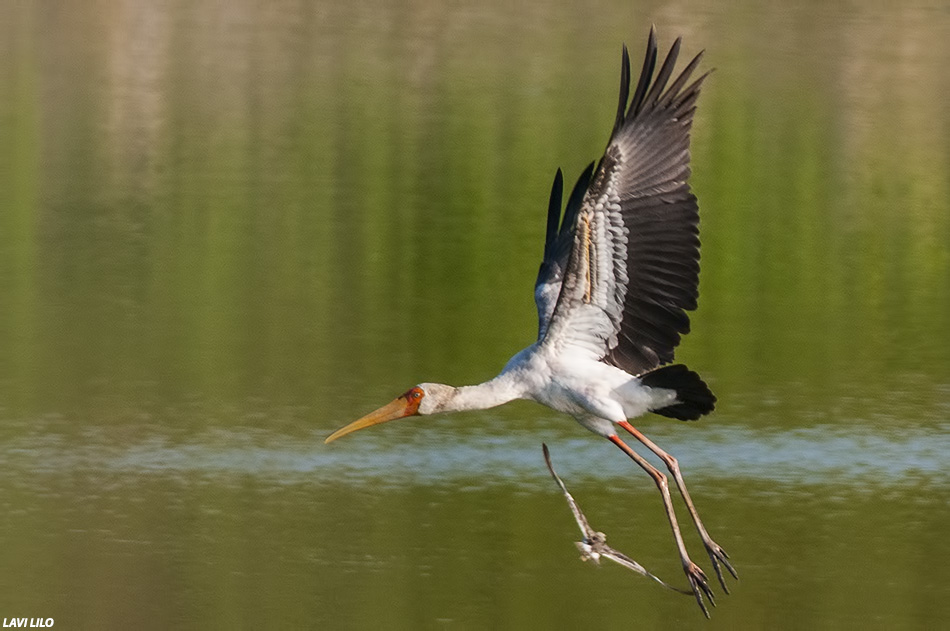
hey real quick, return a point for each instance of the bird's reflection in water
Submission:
(593, 546)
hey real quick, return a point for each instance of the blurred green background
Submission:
(228, 228)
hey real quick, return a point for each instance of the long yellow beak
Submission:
(406, 405)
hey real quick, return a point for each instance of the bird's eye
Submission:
(416, 394)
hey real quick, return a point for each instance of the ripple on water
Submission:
(848, 454)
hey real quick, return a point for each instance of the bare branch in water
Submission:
(594, 544)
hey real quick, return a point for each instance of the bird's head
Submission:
(426, 398)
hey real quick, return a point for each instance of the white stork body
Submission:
(596, 394)
(619, 272)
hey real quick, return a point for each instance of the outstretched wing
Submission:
(557, 245)
(626, 257)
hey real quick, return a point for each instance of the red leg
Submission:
(716, 553)
(697, 579)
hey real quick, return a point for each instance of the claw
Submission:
(718, 556)
(718, 571)
(700, 586)
(725, 561)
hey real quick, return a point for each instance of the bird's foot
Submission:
(719, 558)
(700, 586)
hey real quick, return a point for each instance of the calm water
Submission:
(227, 229)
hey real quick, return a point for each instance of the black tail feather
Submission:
(693, 396)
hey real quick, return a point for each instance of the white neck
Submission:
(494, 392)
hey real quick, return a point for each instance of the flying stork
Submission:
(619, 272)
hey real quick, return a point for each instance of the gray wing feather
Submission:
(632, 268)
